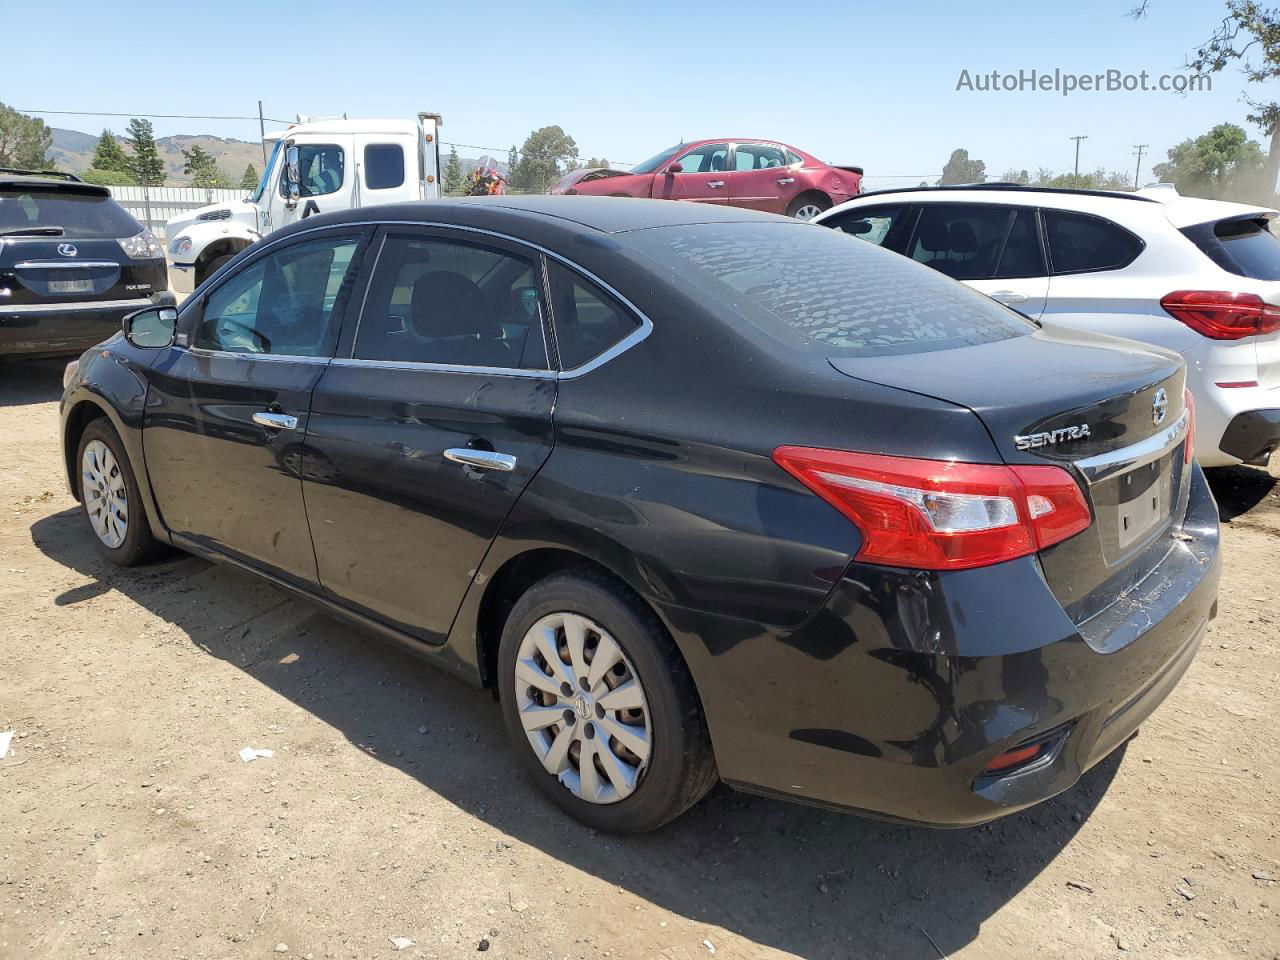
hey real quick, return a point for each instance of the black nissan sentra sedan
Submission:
(701, 493)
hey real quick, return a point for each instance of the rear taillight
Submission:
(1220, 315)
(1189, 445)
(942, 514)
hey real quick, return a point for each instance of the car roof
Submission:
(610, 215)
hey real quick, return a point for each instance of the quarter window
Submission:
(708, 158)
(1080, 243)
(281, 304)
(587, 320)
(435, 300)
(320, 168)
(383, 166)
(758, 156)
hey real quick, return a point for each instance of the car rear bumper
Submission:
(50, 329)
(894, 700)
(1252, 436)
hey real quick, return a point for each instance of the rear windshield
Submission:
(827, 293)
(85, 217)
(1245, 247)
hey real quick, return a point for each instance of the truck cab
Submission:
(315, 166)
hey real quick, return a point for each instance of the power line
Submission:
(150, 116)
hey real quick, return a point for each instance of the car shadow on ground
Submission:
(1239, 490)
(24, 382)
(814, 883)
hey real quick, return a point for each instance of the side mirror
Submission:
(292, 177)
(151, 327)
(676, 168)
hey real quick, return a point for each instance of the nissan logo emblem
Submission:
(67, 249)
(1159, 407)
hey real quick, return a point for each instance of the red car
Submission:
(757, 174)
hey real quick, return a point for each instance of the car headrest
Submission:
(448, 304)
(961, 237)
(934, 235)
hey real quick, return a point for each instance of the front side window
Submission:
(1080, 243)
(978, 242)
(758, 156)
(320, 168)
(819, 293)
(587, 320)
(708, 158)
(873, 224)
(383, 166)
(281, 304)
(436, 300)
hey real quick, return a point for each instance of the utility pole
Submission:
(262, 133)
(1138, 149)
(1077, 140)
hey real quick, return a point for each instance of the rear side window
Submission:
(79, 215)
(383, 166)
(821, 293)
(587, 320)
(978, 242)
(1245, 247)
(1079, 243)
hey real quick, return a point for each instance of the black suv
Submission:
(73, 262)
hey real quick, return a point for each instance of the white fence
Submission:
(154, 205)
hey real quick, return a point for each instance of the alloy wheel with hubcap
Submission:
(582, 707)
(807, 211)
(106, 496)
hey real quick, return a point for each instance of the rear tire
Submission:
(554, 719)
(808, 205)
(110, 499)
(213, 266)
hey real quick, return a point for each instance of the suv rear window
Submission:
(824, 292)
(84, 216)
(1245, 247)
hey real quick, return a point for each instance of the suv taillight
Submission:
(1220, 315)
(942, 514)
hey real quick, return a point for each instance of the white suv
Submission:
(1201, 277)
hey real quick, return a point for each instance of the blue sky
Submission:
(869, 83)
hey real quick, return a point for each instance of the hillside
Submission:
(73, 151)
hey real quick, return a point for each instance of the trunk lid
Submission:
(1090, 404)
(36, 270)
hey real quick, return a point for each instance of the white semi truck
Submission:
(315, 166)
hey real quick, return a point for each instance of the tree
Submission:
(109, 155)
(545, 155)
(594, 164)
(1015, 176)
(145, 163)
(24, 140)
(1221, 163)
(108, 178)
(454, 179)
(960, 169)
(249, 179)
(201, 167)
(513, 160)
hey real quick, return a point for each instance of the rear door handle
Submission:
(786, 180)
(1009, 296)
(275, 421)
(714, 184)
(481, 459)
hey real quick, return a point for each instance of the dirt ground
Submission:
(392, 807)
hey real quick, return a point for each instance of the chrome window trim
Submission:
(1116, 462)
(291, 357)
(622, 346)
(444, 368)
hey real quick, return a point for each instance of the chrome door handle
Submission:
(481, 459)
(275, 421)
(1009, 296)
(786, 180)
(715, 183)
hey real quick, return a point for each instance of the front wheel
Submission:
(808, 206)
(600, 706)
(110, 498)
(213, 266)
